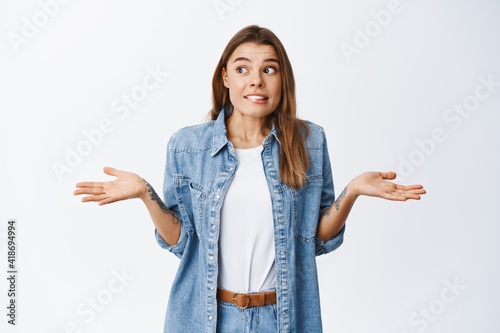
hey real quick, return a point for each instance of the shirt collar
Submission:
(220, 133)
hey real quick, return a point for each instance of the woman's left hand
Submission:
(373, 183)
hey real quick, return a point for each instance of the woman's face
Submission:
(254, 79)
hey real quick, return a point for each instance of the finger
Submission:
(409, 187)
(106, 201)
(394, 197)
(402, 194)
(111, 171)
(91, 198)
(422, 191)
(89, 184)
(411, 196)
(418, 191)
(388, 175)
(395, 194)
(97, 190)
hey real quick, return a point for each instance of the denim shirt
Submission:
(200, 164)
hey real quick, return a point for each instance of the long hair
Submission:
(294, 161)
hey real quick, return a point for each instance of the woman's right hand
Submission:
(127, 185)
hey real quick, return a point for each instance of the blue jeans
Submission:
(255, 319)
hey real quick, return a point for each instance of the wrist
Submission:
(144, 190)
(353, 188)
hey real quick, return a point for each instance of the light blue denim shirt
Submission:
(200, 164)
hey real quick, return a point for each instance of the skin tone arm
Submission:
(128, 185)
(370, 184)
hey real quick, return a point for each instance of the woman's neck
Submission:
(246, 132)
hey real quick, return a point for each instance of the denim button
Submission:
(230, 169)
(218, 196)
(210, 317)
(212, 288)
(211, 257)
(275, 191)
(282, 252)
(269, 164)
(280, 220)
(283, 283)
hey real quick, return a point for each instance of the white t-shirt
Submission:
(246, 236)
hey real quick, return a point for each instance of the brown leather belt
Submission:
(244, 301)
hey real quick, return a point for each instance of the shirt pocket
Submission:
(199, 195)
(191, 196)
(306, 208)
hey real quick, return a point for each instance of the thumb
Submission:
(111, 171)
(388, 175)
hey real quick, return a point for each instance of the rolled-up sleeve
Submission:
(177, 249)
(331, 245)
(171, 202)
(327, 200)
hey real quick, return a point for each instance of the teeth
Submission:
(256, 97)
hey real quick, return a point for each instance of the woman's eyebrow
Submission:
(246, 59)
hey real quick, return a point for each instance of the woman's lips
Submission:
(257, 98)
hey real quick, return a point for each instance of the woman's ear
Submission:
(224, 78)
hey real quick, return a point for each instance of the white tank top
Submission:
(246, 236)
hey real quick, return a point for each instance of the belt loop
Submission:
(262, 299)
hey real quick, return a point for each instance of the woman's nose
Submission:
(256, 80)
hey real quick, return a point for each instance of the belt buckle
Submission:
(234, 300)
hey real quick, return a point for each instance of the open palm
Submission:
(127, 185)
(375, 184)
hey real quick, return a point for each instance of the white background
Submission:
(398, 258)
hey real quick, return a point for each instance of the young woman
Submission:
(248, 200)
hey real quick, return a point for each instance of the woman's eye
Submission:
(241, 70)
(270, 70)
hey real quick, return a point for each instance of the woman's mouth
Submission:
(259, 99)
